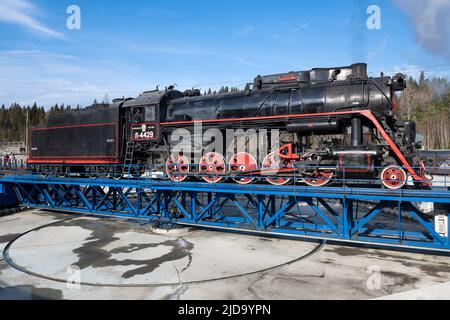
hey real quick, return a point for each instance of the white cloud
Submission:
(431, 22)
(196, 52)
(49, 78)
(246, 62)
(21, 13)
(299, 28)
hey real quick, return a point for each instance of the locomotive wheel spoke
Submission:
(241, 164)
(273, 164)
(394, 177)
(319, 178)
(177, 167)
(212, 167)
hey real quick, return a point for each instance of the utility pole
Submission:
(26, 133)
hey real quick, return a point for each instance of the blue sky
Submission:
(125, 47)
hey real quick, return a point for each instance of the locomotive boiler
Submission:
(333, 124)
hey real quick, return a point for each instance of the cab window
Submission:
(144, 114)
(150, 113)
(138, 114)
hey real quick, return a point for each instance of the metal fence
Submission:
(342, 175)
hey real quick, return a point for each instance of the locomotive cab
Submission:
(142, 117)
(142, 128)
(143, 122)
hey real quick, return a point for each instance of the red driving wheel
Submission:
(212, 167)
(319, 178)
(394, 177)
(272, 165)
(241, 164)
(177, 167)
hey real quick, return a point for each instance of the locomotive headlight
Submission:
(398, 82)
(144, 128)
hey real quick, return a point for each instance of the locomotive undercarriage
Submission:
(356, 154)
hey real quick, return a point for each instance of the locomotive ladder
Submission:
(129, 154)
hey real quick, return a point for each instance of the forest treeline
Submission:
(426, 101)
(13, 119)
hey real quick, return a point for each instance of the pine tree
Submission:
(106, 99)
(422, 78)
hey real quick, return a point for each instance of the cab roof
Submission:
(146, 98)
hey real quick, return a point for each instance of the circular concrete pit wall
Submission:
(121, 253)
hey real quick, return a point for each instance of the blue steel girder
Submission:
(218, 208)
(80, 195)
(182, 209)
(243, 210)
(60, 195)
(21, 192)
(104, 200)
(347, 218)
(424, 221)
(360, 223)
(150, 208)
(46, 194)
(124, 197)
(63, 196)
(271, 209)
(322, 215)
(206, 210)
(277, 216)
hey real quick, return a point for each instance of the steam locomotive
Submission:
(332, 123)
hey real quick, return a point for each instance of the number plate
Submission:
(144, 132)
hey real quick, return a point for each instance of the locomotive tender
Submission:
(333, 123)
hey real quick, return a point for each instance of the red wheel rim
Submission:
(240, 164)
(177, 168)
(393, 177)
(212, 166)
(319, 178)
(273, 162)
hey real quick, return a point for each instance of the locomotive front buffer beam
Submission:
(378, 217)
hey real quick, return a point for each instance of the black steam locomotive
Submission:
(332, 123)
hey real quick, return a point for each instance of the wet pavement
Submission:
(79, 257)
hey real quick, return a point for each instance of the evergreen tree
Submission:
(422, 78)
(106, 99)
